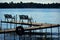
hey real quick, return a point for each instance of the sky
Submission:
(35, 1)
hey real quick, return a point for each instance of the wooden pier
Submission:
(35, 26)
(30, 30)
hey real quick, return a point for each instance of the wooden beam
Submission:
(31, 28)
(34, 27)
(23, 23)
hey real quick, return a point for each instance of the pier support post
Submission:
(51, 33)
(58, 33)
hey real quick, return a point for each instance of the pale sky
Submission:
(36, 1)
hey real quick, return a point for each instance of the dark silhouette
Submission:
(29, 5)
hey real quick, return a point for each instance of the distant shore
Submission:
(29, 5)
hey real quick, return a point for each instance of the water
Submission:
(42, 15)
(38, 15)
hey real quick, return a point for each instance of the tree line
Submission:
(29, 5)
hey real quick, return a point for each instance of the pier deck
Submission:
(34, 27)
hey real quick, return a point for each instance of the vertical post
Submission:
(4, 29)
(22, 25)
(7, 23)
(7, 27)
(24, 36)
(4, 34)
(11, 27)
(19, 20)
(19, 37)
(30, 35)
(30, 26)
(42, 34)
(1, 26)
(22, 20)
(51, 33)
(58, 33)
(46, 34)
(34, 35)
(14, 26)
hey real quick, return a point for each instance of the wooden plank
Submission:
(25, 33)
(23, 23)
(32, 28)
(33, 24)
(7, 31)
(43, 26)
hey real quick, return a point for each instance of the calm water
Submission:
(38, 15)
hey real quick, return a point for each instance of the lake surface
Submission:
(39, 15)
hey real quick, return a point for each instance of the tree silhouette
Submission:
(28, 5)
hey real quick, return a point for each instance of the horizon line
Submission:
(27, 2)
